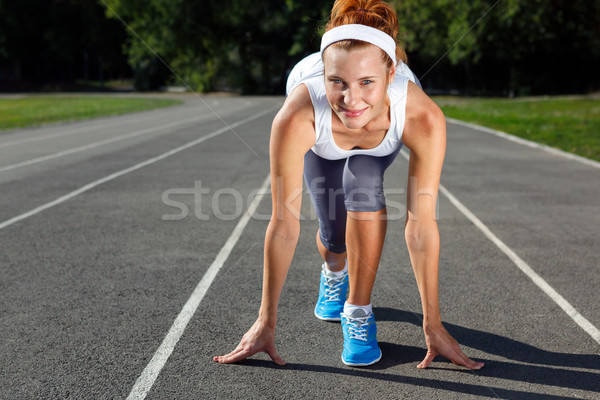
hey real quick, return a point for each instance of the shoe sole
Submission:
(332, 319)
(362, 364)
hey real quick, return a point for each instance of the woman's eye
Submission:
(367, 81)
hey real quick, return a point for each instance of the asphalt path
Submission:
(128, 262)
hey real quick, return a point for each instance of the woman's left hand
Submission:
(440, 343)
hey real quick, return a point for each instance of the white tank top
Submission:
(309, 71)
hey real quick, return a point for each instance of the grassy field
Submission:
(38, 110)
(570, 124)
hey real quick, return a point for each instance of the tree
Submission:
(227, 44)
(511, 46)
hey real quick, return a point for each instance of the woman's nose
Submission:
(350, 97)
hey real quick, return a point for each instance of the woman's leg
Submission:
(365, 234)
(324, 181)
(325, 185)
(366, 222)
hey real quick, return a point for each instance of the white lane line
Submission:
(101, 143)
(148, 377)
(92, 185)
(526, 269)
(512, 138)
(579, 319)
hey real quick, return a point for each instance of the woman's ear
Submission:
(392, 74)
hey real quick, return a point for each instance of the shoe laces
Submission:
(333, 287)
(357, 328)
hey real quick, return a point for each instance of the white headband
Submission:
(360, 32)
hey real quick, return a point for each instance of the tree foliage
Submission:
(510, 46)
(514, 47)
(224, 44)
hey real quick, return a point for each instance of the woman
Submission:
(349, 110)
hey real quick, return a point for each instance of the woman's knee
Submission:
(334, 241)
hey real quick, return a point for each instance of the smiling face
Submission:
(356, 83)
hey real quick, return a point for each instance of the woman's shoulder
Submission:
(297, 105)
(296, 117)
(423, 116)
(419, 105)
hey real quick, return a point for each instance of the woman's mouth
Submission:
(352, 113)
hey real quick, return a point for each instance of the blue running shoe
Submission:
(360, 339)
(332, 295)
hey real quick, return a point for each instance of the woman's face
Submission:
(356, 83)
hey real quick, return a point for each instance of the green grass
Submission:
(38, 110)
(570, 124)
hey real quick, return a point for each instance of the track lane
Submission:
(93, 287)
(88, 281)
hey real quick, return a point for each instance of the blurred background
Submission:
(518, 48)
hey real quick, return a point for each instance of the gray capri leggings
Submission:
(354, 183)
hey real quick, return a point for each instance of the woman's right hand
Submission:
(259, 338)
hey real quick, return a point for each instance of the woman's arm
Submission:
(292, 135)
(425, 136)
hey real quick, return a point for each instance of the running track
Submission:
(108, 291)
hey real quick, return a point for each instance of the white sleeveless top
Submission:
(309, 71)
